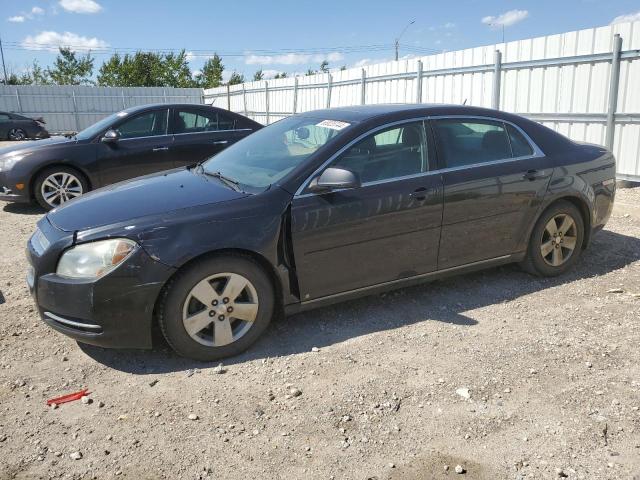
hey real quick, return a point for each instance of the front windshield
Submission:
(266, 156)
(91, 131)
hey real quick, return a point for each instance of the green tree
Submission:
(281, 75)
(71, 70)
(324, 66)
(147, 69)
(211, 75)
(310, 72)
(343, 67)
(258, 76)
(235, 79)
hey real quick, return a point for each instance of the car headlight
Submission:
(95, 259)
(9, 161)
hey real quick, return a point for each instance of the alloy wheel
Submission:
(60, 187)
(17, 134)
(558, 240)
(220, 309)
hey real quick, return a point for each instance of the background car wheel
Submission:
(17, 134)
(55, 186)
(216, 308)
(556, 241)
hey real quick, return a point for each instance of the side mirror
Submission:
(110, 136)
(334, 179)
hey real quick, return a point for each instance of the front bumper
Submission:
(8, 193)
(113, 311)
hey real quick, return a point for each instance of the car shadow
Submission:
(443, 301)
(24, 208)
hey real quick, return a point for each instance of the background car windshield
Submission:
(91, 131)
(272, 152)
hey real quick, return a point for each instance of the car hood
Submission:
(34, 146)
(145, 196)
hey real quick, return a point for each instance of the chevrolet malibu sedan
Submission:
(317, 208)
(127, 144)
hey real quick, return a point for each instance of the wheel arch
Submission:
(582, 206)
(42, 168)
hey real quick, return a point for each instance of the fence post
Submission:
(419, 83)
(244, 99)
(75, 109)
(164, 95)
(266, 99)
(295, 95)
(328, 90)
(497, 77)
(18, 99)
(228, 97)
(124, 103)
(614, 84)
(363, 87)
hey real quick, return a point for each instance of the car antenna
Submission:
(465, 102)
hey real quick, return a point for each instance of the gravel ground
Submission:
(373, 388)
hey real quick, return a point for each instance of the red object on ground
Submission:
(68, 398)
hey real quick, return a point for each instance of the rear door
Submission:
(494, 181)
(200, 133)
(143, 147)
(385, 230)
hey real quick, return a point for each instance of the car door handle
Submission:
(532, 175)
(161, 149)
(220, 142)
(421, 193)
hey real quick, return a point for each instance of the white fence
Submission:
(72, 108)
(584, 84)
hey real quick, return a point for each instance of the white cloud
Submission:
(81, 6)
(16, 19)
(52, 41)
(291, 58)
(507, 18)
(449, 25)
(629, 17)
(37, 11)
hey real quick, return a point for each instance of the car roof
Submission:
(151, 106)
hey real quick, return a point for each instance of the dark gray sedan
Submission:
(19, 127)
(127, 144)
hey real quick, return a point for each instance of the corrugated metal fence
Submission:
(584, 84)
(73, 108)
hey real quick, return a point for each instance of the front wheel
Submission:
(17, 134)
(216, 308)
(57, 185)
(556, 241)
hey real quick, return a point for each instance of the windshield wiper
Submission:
(230, 182)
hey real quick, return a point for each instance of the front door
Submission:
(143, 148)
(494, 182)
(385, 230)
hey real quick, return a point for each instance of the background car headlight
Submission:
(95, 259)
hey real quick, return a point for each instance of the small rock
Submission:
(153, 382)
(100, 404)
(464, 392)
(295, 392)
(193, 416)
(219, 369)
(75, 456)
(460, 469)
(156, 414)
(446, 468)
(85, 400)
(315, 349)
(507, 390)
(391, 465)
(560, 473)
(346, 418)
(615, 290)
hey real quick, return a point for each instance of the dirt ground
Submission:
(551, 367)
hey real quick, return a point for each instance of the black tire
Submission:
(177, 292)
(17, 134)
(535, 262)
(44, 174)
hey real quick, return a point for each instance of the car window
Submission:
(391, 153)
(519, 145)
(465, 142)
(4, 117)
(149, 124)
(196, 121)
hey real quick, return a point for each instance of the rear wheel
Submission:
(57, 185)
(556, 240)
(216, 308)
(17, 134)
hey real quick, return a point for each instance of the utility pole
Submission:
(397, 42)
(4, 69)
(501, 25)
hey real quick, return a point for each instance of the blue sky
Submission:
(285, 35)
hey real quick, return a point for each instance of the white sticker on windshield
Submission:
(333, 124)
(122, 114)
